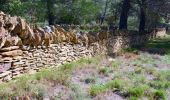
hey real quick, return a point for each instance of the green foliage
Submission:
(111, 85)
(77, 12)
(32, 11)
(115, 84)
(97, 89)
(159, 94)
(38, 90)
(104, 70)
(137, 91)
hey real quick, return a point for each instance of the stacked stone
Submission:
(11, 62)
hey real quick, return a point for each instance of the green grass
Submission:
(137, 91)
(104, 70)
(162, 43)
(115, 84)
(97, 89)
(159, 94)
(100, 88)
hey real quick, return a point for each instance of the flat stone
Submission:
(7, 78)
(63, 58)
(9, 48)
(12, 53)
(18, 63)
(15, 73)
(6, 59)
(17, 69)
(5, 74)
(17, 57)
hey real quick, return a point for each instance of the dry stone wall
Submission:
(55, 45)
(15, 62)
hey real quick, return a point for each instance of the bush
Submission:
(97, 89)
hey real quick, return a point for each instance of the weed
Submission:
(5, 90)
(159, 94)
(139, 70)
(97, 89)
(133, 98)
(38, 90)
(150, 70)
(137, 91)
(77, 93)
(104, 71)
(115, 84)
(115, 64)
(160, 84)
(164, 75)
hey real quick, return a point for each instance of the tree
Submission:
(142, 5)
(124, 14)
(105, 10)
(50, 12)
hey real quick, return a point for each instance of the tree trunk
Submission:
(50, 8)
(124, 14)
(104, 13)
(142, 16)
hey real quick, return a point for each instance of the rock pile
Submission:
(35, 59)
(52, 45)
(63, 46)
(14, 31)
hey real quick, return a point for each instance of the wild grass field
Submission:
(134, 75)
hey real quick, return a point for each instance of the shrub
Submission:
(137, 91)
(159, 94)
(97, 89)
(115, 84)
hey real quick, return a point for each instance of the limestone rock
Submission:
(6, 59)
(5, 74)
(12, 53)
(9, 48)
(17, 58)
(12, 41)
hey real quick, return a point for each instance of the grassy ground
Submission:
(135, 75)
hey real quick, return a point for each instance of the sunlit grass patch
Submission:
(115, 84)
(78, 93)
(137, 91)
(111, 85)
(97, 89)
(159, 94)
(104, 70)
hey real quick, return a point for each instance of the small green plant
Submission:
(150, 70)
(5, 90)
(104, 71)
(115, 64)
(77, 92)
(139, 70)
(137, 91)
(164, 75)
(38, 90)
(133, 98)
(160, 84)
(97, 89)
(115, 84)
(159, 94)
